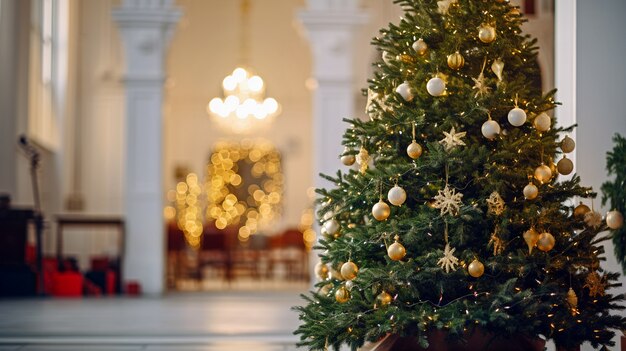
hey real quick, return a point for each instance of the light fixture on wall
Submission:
(244, 107)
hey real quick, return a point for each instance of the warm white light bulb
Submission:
(270, 105)
(255, 83)
(231, 103)
(215, 105)
(260, 113)
(229, 83)
(240, 74)
(242, 112)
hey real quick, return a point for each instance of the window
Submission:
(48, 70)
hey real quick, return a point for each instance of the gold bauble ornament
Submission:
(456, 60)
(543, 174)
(349, 270)
(531, 237)
(530, 191)
(486, 33)
(420, 47)
(414, 150)
(614, 219)
(321, 271)
(383, 298)
(342, 295)
(476, 268)
(347, 160)
(335, 274)
(546, 242)
(381, 210)
(565, 166)
(581, 210)
(542, 122)
(568, 144)
(396, 251)
(405, 58)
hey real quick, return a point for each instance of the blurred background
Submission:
(176, 144)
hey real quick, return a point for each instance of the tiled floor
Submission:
(224, 321)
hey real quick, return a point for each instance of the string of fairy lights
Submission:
(257, 206)
(243, 189)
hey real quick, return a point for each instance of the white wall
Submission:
(601, 94)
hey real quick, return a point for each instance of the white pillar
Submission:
(146, 27)
(331, 28)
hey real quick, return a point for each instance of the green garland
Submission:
(615, 191)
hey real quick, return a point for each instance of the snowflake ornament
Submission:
(496, 203)
(448, 261)
(444, 6)
(448, 201)
(480, 85)
(452, 139)
(593, 219)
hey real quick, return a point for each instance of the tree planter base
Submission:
(478, 340)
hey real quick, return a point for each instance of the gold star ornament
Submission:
(448, 262)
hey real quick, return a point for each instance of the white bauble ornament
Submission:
(420, 47)
(490, 129)
(568, 144)
(349, 285)
(516, 117)
(404, 90)
(414, 150)
(542, 122)
(530, 191)
(436, 86)
(543, 174)
(396, 196)
(331, 226)
(565, 166)
(387, 57)
(614, 219)
(381, 210)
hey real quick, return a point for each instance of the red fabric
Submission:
(99, 263)
(30, 256)
(67, 284)
(110, 279)
(133, 288)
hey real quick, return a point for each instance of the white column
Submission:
(146, 27)
(331, 28)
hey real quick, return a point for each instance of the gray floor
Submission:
(183, 322)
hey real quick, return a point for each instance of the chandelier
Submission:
(243, 107)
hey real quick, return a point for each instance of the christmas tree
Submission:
(456, 218)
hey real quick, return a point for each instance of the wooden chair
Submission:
(288, 250)
(216, 252)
